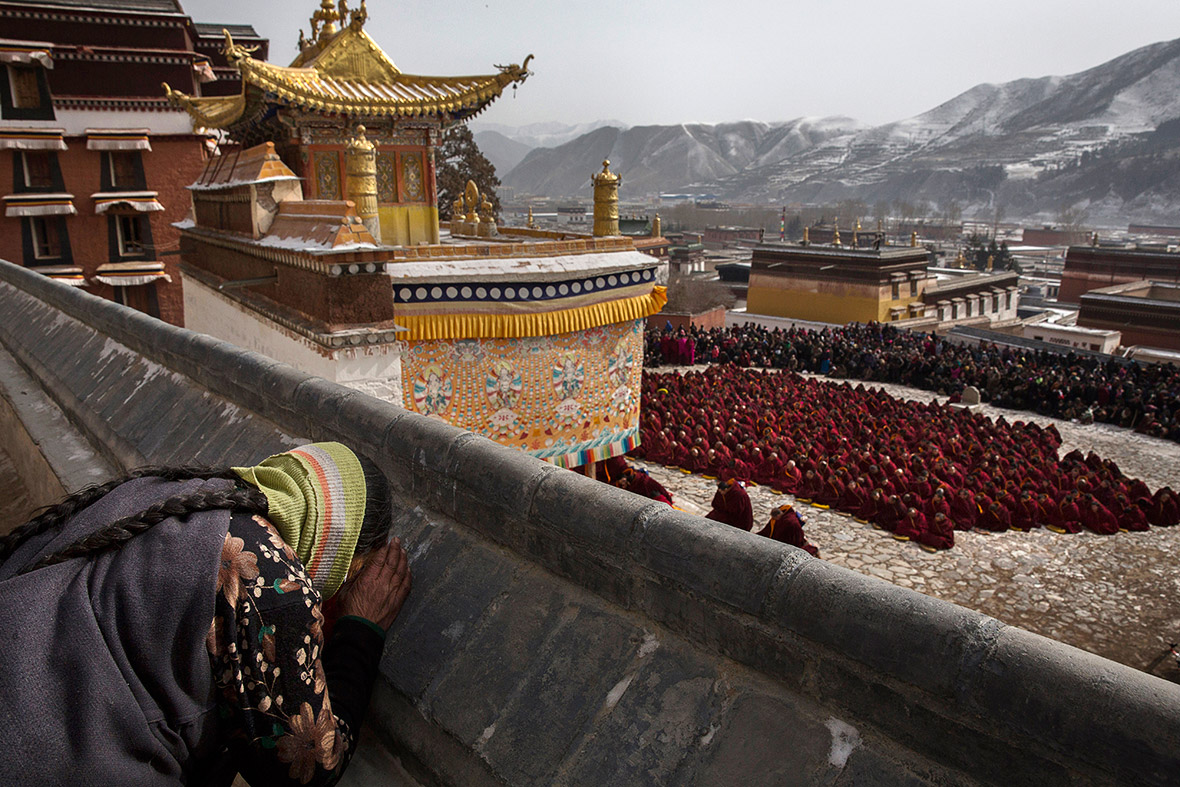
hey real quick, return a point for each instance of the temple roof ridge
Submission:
(345, 72)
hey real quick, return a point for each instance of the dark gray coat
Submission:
(105, 678)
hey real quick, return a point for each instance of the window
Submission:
(913, 286)
(24, 93)
(46, 238)
(896, 290)
(968, 308)
(131, 235)
(995, 304)
(26, 86)
(38, 169)
(1007, 300)
(124, 169)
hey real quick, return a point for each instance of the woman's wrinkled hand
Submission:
(380, 587)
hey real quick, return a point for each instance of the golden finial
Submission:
(606, 201)
(323, 21)
(532, 225)
(657, 228)
(807, 236)
(358, 16)
(856, 234)
(961, 262)
(836, 232)
(233, 52)
(991, 261)
(914, 239)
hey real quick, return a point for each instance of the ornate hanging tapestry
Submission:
(570, 399)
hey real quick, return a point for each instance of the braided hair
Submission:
(242, 497)
(54, 516)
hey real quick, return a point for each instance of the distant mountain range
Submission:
(1104, 142)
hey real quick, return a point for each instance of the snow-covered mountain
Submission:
(1102, 140)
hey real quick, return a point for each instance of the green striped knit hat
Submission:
(316, 494)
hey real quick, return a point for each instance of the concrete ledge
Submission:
(946, 695)
(50, 457)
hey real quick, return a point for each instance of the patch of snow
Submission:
(845, 740)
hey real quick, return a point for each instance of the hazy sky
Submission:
(672, 61)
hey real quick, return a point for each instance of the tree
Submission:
(459, 160)
(980, 248)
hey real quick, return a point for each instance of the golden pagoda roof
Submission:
(345, 72)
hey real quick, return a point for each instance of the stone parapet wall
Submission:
(567, 632)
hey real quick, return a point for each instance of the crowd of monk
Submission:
(1145, 397)
(919, 470)
(731, 503)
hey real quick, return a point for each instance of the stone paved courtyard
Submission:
(1117, 596)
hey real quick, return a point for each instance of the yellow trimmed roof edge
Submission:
(401, 94)
(210, 112)
(428, 327)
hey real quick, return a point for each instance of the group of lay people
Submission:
(1142, 396)
(919, 470)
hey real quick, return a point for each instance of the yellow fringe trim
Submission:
(429, 327)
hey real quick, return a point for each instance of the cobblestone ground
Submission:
(1117, 596)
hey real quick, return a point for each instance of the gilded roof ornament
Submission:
(344, 72)
(235, 52)
(518, 73)
(323, 21)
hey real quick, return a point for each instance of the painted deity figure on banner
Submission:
(433, 391)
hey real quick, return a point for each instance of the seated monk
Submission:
(1165, 509)
(1132, 516)
(731, 504)
(611, 470)
(1098, 518)
(810, 486)
(790, 478)
(786, 525)
(1068, 515)
(938, 504)
(911, 526)
(641, 483)
(853, 497)
(940, 534)
(994, 518)
(870, 509)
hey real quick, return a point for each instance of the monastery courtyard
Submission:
(1117, 596)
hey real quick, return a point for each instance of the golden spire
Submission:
(606, 201)
(836, 232)
(323, 21)
(532, 225)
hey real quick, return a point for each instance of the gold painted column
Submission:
(606, 201)
(361, 165)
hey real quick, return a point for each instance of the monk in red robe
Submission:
(641, 483)
(786, 525)
(940, 534)
(731, 505)
(1098, 518)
